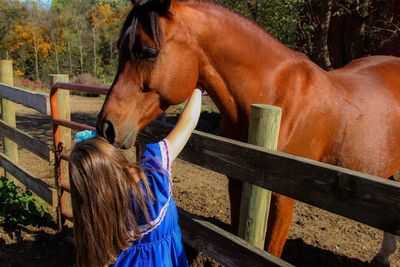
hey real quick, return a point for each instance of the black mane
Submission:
(145, 13)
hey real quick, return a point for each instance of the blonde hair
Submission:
(106, 201)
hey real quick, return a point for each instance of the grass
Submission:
(24, 88)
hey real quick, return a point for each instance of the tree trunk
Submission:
(36, 64)
(357, 48)
(79, 33)
(57, 61)
(111, 50)
(94, 51)
(69, 53)
(35, 48)
(55, 51)
(321, 48)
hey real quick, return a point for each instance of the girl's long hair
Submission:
(103, 193)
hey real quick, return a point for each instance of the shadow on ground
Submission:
(301, 254)
(46, 250)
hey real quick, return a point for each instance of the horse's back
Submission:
(383, 70)
(365, 63)
(370, 139)
(374, 76)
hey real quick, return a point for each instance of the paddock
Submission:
(340, 191)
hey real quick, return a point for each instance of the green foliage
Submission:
(79, 36)
(209, 111)
(42, 40)
(203, 109)
(279, 18)
(21, 207)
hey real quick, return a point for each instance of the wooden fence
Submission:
(361, 197)
(8, 159)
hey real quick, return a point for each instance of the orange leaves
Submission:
(102, 16)
(32, 35)
(45, 48)
(18, 72)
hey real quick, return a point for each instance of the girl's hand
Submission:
(178, 137)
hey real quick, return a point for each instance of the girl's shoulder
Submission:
(156, 155)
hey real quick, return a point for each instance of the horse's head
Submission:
(158, 67)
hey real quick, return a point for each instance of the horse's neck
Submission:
(240, 60)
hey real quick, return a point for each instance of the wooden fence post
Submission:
(64, 112)
(264, 128)
(8, 113)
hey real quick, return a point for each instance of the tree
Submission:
(35, 31)
(57, 35)
(322, 42)
(11, 11)
(344, 30)
(75, 12)
(99, 18)
(279, 18)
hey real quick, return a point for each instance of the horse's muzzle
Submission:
(106, 129)
(118, 137)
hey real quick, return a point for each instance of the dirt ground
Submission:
(316, 238)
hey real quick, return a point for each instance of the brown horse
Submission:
(349, 117)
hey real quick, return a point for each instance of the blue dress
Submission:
(162, 244)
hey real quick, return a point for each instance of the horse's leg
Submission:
(234, 186)
(235, 196)
(279, 221)
(389, 246)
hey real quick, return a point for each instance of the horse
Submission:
(348, 117)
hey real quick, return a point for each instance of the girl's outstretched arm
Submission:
(178, 137)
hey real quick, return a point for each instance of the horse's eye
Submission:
(149, 53)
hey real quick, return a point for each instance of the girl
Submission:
(124, 213)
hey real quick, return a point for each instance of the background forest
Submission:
(79, 37)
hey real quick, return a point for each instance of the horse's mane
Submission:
(147, 14)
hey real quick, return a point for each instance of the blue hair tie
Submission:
(84, 135)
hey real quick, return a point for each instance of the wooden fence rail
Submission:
(358, 196)
(29, 99)
(26, 141)
(222, 246)
(35, 101)
(40, 188)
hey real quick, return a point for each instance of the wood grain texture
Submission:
(365, 198)
(222, 246)
(40, 188)
(64, 113)
(264, 128)
(32, 100)
(26, 141)
(8, 112)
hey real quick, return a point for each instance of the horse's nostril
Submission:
(108, 132)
